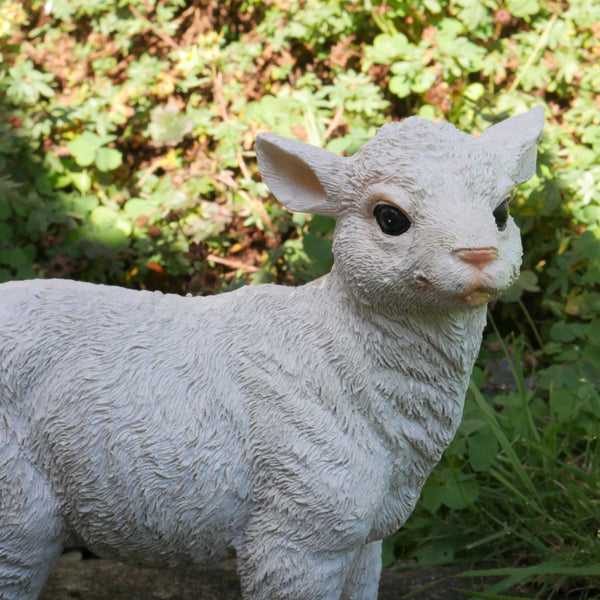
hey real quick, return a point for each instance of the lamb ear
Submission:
(516, 140)
(302, 177)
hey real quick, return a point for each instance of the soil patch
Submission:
(100, 579)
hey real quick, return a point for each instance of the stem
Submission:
(536, 334)
(534, 55)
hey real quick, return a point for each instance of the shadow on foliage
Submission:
(52, 224)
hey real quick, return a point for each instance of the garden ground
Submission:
(99, 579)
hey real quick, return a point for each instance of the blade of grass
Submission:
(517, 575)
(536, 333)
(516, 369)
(487, 596)
(526, 500)
(526, 539)
(533, 57)
(503, 440)
(486, 540)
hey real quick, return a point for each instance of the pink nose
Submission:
(478, 257)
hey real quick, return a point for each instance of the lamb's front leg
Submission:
(275, 565)
(363, 580)
(30, 523)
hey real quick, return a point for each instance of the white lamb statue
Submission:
(290, 427)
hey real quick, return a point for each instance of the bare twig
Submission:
(542, 42)
(335, 122)
(150, 27)
(232, 263)
(218, 91)
(154, 165)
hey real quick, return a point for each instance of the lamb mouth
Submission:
(480, 296)
(474, 296)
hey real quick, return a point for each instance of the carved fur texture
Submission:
(294, 427)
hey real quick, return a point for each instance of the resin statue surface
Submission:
(292, 427)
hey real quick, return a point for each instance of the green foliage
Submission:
(524, 465)
(126, 156)
(27, 84)
(128, 130)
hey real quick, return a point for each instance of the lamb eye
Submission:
(501, 215)
(391, 220)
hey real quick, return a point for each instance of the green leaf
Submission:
(108, 159)
(26, 271)
(113, 237)
(83, 205)
(527, 282)
(427, 112)
(17, 257)
(483, 449)
(559, 376)
(400, 86)
(434, 554)
(523, 8)
(321, 224)
(433, 6)
(168, 128)
(12, 257)
(474, 92)
(563, 404)
(317, 248)
(103, 217)
(84, 148)
(387, 552)
(588, 245)
(432, 496)
(134, 207)
(6, 232)
(423, 81)
(460, 494)
(27, 84)
(388, 48)
(473, 13)
(5, 211)
(567, 332)
(81, 180)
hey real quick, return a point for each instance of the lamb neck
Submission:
(411, 387)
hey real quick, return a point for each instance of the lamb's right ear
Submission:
(302, 177)
(516, 140)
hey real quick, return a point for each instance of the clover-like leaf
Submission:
(88, 149)
(108, 159)
(168, 127)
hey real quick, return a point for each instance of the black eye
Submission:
(501, 215)
(391, 220)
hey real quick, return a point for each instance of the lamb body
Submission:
(293, 427)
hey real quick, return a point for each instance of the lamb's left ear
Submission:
(302, 177)
(516, 140)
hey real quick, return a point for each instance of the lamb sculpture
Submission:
(290, 427)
